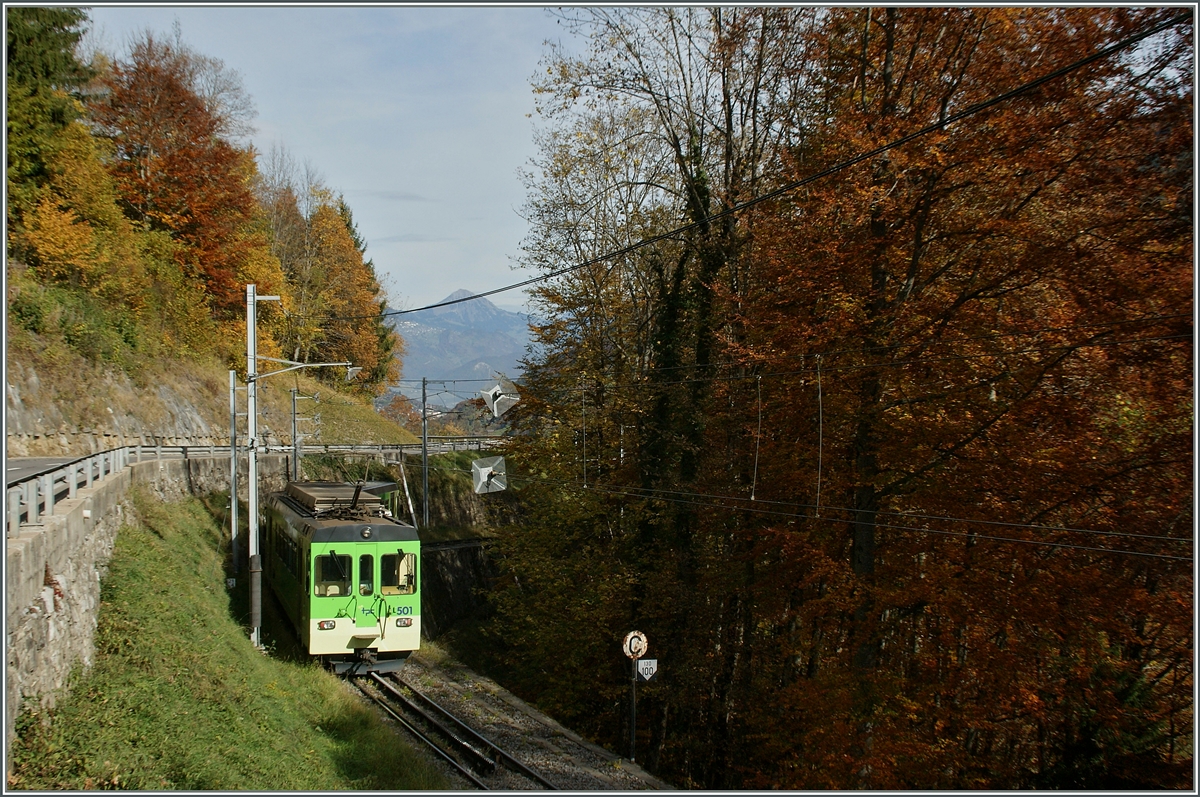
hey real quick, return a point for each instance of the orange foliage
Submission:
(401, 410)
(174, 170)
(968, 560)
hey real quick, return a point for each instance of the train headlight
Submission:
(403, 622)
(326, 625)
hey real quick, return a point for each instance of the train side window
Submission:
(333, 575)
(366, 574)
(398, 573)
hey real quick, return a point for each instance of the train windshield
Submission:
(333, 575)
(398, 573)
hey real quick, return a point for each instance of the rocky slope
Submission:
(59, 404)
(50, 414)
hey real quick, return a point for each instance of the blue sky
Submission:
(418, 115)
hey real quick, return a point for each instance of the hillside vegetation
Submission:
(136, 216)
(61, 402)
(178, 698)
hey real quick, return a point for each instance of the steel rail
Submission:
(501, 755)
(468, 748)
(463, 770)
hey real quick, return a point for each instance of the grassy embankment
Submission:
(345, 418)
(178, 698)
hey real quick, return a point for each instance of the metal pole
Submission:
(424, 456)
(252, 453)
(48, 493)
(295, 439)
(633, 711)
(14, 513)
(583, 405)
(233, 474)
(408, 496)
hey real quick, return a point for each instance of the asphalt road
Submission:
(19, 468)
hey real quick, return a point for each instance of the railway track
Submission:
(479, 760)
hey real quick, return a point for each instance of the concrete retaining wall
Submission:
(452, 580)
(53, 571)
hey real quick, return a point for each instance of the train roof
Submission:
(319, 496)
(330, 513)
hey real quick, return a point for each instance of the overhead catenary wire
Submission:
(651, 493)
(786, 188)
(759, 359)
(817, 507)
(818, 369)
(923, 530)
(891, 526)
(886, 363)
(646, 493)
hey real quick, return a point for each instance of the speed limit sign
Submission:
(635, 644)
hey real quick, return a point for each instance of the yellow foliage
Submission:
(76, 234)
(180, 304)
(349, 291)
(260, 267)
(78, 176)
(63, 248)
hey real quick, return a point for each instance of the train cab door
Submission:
(372, 610)
(398, 586)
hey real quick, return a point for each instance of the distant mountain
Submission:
(468, 340)
(474, 314)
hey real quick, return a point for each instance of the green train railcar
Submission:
(346, 571)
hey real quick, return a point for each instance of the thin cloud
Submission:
(393, 196)
(412, 238)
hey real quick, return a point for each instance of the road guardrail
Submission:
(34, 496)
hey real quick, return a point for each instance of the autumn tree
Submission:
(916, 515)
(400, 410)
(335, 304)
(382, 346)
(711, 93)
(73, 255)
(971, 312)
(672, 117)
(43, 77)
(172, 116)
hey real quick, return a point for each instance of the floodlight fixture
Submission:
(488, 475)
(498, 401)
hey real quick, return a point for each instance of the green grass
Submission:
(345, 417)
(178, 698)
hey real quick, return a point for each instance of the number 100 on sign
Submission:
(647, 669)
